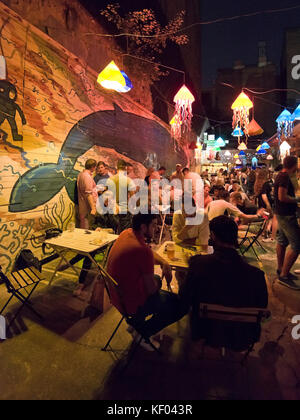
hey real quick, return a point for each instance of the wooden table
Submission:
(182, 254)
(81, 242)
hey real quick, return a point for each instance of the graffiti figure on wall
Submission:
(9, 109)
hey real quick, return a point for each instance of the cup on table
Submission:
(171, 251)
(101, 234)
(71, 227)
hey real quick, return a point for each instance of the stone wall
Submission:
(70, 24)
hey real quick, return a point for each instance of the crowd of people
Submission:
(231, 200)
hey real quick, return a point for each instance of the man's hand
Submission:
(93, 212)
(167, 273)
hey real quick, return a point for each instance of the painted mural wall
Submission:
(53, 116)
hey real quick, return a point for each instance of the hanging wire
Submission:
(263, 93)
(158, 64)
(219, 20)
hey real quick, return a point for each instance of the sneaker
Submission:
(143, 344)
(148, 347)
(286, 281)
(268, 240)
(290, 275)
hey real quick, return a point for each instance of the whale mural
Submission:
(133, 136)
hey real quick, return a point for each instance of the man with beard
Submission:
(131, 264)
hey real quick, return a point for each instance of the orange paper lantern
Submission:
(254, 129)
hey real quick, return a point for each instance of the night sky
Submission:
(223, 43)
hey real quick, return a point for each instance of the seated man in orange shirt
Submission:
(131, 263)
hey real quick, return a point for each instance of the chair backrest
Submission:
(20, 279)
(113, 290)
(229, 327)
(226, 313)
(261, 225)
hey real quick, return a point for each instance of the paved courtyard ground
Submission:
(62, 359)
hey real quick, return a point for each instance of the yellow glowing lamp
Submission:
(258, 149)
(242, 101)
(184, 95)
(236, 156)
(111, 77)
(242, 146)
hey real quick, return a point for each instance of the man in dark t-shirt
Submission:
(289, 229)
(226, 279)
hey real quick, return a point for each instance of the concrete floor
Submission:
(62, 359)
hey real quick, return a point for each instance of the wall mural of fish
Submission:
(131, 135)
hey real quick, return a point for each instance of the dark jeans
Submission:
(87, 264)
(165, 309)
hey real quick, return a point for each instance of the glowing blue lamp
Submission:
(284, 124)
(242, 153)
(254, 163)
(220, 142)
(261, 152)
(296, 114)
(128, 86)
(237, 132)
(284, 117)
(265, 146)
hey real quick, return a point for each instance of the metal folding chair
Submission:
(246, 316)
(17, 283)
(115, 296)
(252, 238)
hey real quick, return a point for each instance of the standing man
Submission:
(178, 173)
(289, 230)
(102, 173)
(124, 188)
(87, 193)
(160, 174)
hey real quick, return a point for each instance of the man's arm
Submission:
(150, 285)
(285, 198)
(166, 269)
(180, 230)
(245, 218)
(146, 267)
(92, 204)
